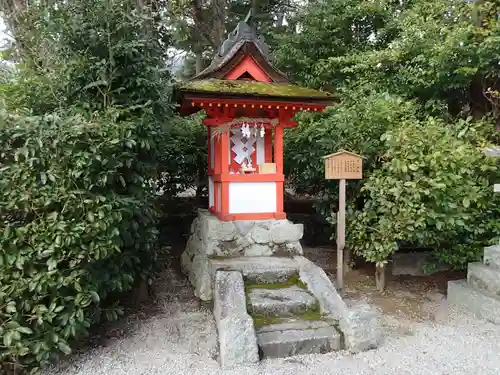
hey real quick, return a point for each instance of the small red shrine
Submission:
(248, 104)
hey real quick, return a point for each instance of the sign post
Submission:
(342, 166)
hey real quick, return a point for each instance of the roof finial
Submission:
(250, 18)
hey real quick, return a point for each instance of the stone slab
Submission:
(412, 263)
(484, 277)
(461, 295)
(200, 276)
(492, 256)
(295, 324)
(280, 302)
(237, 338)
(286, 343)
(360, 325)
(259, 270)
(321, 287)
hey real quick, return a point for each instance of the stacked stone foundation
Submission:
(211, 238)
(270, 301)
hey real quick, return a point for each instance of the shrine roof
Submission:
(242, 41)
(222, 64)
(242, 88)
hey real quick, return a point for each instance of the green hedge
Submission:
(434, 189)
(77, 225)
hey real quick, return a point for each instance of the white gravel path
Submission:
(181, 340)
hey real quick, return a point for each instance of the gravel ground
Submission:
(179, 338)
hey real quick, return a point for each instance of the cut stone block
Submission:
(237, 341)
(280, 302)
(259, 270)
(413, 263)
(237, 338)
(284, 231)
(492, 256)
(361, 328)
(478, 302)
(484, 277)
(286, 343)
(200, 275)
(321, 287)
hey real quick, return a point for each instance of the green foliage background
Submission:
(85, 117)
(87, 129)
(418, 97)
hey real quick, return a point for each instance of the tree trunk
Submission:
(255, 7)
(477, 17)
(12, 9)
(199, 62)
(219, 21)
(347, 260)
(380, 278)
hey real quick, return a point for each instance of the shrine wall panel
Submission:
(211, 199)
(252, 197)
(261, 152)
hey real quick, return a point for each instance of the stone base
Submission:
(480, 292)
(492, 256)
(413, 264)
(463, 296)
(212, 238)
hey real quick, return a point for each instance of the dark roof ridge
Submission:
(243, 38)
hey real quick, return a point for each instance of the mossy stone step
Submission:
(295, 323)
(280, 302)
(300, 337)
(259, 270)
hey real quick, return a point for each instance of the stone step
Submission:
(492, 256)
(280, 302)
(287, 324)
(289, 339)
(259, 270)
(478, 302)
(484, 277)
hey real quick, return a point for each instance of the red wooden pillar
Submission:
(268, 146)
(278, 159)
(216, 170)
(209, 135)
(224, 165)
(278, 148)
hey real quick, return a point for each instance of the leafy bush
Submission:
(76, 225)
(355, 124)
(434, 189)
(92, 54)
(183, 161)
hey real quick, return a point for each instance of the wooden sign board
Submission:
(343, 165)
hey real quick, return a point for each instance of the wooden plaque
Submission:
(266, 168)
(343, 165)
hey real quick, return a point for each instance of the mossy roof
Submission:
(252, 88)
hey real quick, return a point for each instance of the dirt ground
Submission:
(412, 298)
